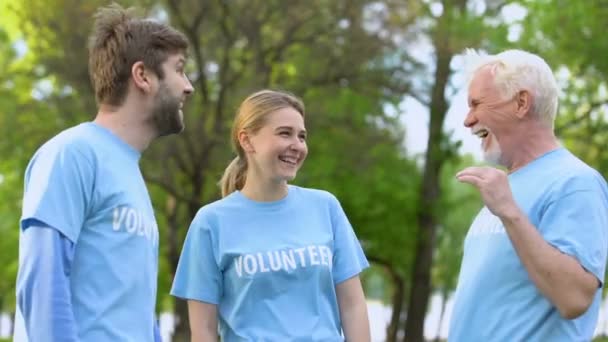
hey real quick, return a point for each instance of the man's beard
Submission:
(166, 113)
(493, 155)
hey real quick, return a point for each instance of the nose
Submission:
(189, 89)
(298, 145)
(470, 120)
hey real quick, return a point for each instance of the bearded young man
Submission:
(89, 239)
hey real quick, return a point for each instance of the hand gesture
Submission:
(493, 185)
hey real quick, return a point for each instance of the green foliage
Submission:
(458, 207)
(10, 176)
(351, 61)
(319, 50)
(567, 32)
(375, 285)
(570, 35)
(367, 171)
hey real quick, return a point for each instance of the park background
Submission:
(385, 94)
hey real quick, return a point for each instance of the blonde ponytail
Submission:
(234, 176)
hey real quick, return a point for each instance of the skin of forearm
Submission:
(558, 276)
(355, 323)
(204, 336)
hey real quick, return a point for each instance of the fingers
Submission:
(476, 175)
(478, 171)
(470, 179)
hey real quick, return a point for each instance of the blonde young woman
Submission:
(272, 261)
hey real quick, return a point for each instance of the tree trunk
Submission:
(180, 308)
(444, 300)
(1, 308)
(11, 329)
(182, 325)
(397, 307)
(397, 299)
(430, 190)
(605, 330)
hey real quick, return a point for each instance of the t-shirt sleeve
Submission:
(58, 189)
(348, 259)
(577, 224)
(198, 275)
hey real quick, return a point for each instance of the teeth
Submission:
(289, 160)
(482, 133)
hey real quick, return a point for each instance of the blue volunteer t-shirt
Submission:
(271, 267)
(86, 183)
(567, 201)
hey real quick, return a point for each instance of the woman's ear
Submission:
(245, 142)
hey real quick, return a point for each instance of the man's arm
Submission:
(560, 277)
(43, 286)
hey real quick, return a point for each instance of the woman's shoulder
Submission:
(210, 212)
(316, 195)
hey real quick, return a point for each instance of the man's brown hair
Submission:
(120, 39)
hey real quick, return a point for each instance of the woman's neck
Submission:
(261, 191)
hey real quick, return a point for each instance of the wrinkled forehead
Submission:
(483, 80)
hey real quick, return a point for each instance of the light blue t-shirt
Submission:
(271, 267)
(86, 183)
(567, 201)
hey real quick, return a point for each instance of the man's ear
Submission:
(524, 103)
(141, 77)
(245, 142)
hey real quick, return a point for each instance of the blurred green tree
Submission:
(323, 51)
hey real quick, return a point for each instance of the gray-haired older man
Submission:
(535, 256)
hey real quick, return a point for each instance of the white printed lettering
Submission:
(283, 260)
(251, 267)
(300, 251)
(322, 255)
(131, 222)
(288, 259)
(312, 251)
(263, 267)
(134, 222)
(119, 216)
(238, 265)
(275, 260)
(141, 231)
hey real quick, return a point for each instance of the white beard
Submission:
(493, 155)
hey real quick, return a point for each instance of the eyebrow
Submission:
(289, 128)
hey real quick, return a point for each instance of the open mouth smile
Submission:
(291, 160)
(481, 133)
